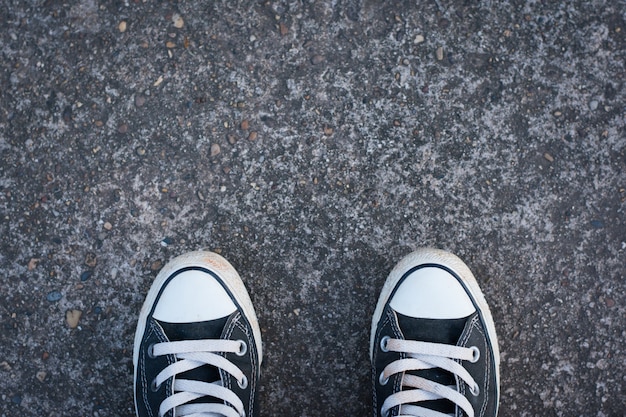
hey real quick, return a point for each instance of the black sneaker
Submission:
(198, 343)
(433, 343)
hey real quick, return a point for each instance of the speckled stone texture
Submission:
(312, 144)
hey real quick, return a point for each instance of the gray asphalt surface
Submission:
(312, 144)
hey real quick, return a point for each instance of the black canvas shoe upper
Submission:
(203, 366)
(477, 380)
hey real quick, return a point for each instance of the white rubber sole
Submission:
(216, 264)
(452, 262)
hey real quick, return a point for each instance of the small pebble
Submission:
(41, 376)
(91, 260)
(123, 128)
(252, 136)
(548, 157)
(317, 59)
(439, 54)
(245, 125)
(284, 30)
(140, 150)
(85, 275)
(200, 195)
(215, 149)
(597, 224)
(178, 21)
(156, 265)
(72, 317)
(170, 45)
(107, 226)
(122, 26)
(419, 39)
(32, 264)
(328, 130)
(54, 296)
(593, 105)
(140, 100)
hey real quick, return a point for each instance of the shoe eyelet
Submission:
(153, 386)
(243, 384)
(243, 348)
(475, 354)
(382, 380)
(383, 343)
(150, 351)
(475, 390)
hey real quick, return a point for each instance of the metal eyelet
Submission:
(475, 354)
(150, 351)
(243, 348)
(383, 343)
(153, 386)
(475, 390)
(382, 380)
(243, 384)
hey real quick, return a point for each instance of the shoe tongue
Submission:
(444, 331)
(201, 330)
(211, 329)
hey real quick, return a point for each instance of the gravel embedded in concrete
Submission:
(361, 142)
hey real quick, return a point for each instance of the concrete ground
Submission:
(312, 144)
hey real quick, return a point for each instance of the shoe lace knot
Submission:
(191, 354)
(414, 389)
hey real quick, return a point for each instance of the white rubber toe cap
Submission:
(193, 296)
(432, 293)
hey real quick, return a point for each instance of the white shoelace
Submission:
(424, 355)
(192, 354)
